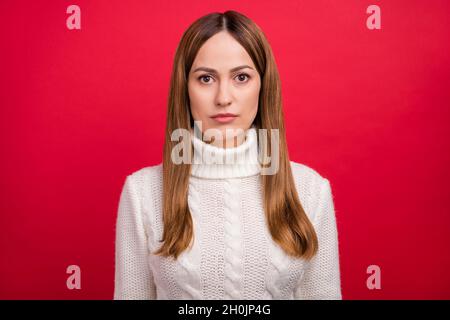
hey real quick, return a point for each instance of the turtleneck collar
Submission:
(214, 162)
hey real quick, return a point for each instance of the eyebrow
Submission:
(215, 71)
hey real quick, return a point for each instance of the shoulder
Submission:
(304, 172)
(147, 172)
(147, 184)
(146, 178)
(312, 187)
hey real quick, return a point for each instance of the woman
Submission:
(218, 229)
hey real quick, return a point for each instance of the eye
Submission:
(242, 77)
(206, 78)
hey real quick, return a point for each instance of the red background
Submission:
(81, 109)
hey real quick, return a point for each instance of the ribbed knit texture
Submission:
(233, 255)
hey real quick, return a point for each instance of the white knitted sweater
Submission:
(233, 255)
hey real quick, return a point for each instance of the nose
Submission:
(223, 97)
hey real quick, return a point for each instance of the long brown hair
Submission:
(288, 223)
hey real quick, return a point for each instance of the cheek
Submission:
(199, 101)
(251, 97)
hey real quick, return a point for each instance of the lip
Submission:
(224, 117)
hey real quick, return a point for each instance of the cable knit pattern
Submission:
(233, 241)
(283, 274)
(233, 255)
(279, 262)
(189, 276)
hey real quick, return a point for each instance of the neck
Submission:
(214, 162)
(227, 142)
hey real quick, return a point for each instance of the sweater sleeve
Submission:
(133, 276)
(321, 280)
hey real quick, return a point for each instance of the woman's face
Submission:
(223, 79)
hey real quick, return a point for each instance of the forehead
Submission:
(222, 52)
